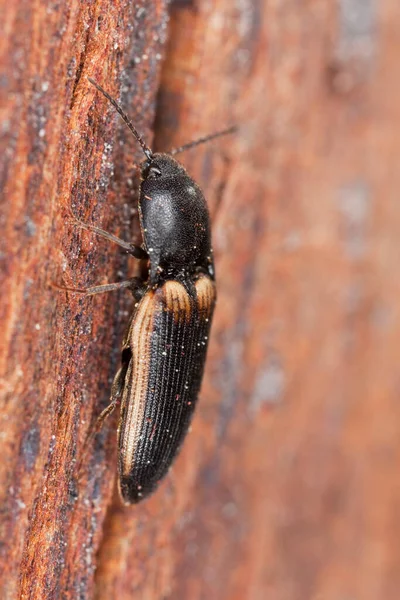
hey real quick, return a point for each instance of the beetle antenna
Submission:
(202, 140)
(124, 117)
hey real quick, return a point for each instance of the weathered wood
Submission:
(65, 150)
(287, 486)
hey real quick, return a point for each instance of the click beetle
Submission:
(164, 348)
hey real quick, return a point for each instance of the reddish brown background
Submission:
(288, 486)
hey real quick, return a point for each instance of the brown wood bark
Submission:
(287, 487)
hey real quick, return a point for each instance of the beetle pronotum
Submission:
(164, 348)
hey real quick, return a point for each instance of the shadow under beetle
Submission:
(164, 347)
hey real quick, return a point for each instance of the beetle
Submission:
(165, 344)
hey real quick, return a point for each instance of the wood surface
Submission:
(287, 487)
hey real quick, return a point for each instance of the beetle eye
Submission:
(154, 172)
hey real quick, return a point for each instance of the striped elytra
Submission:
(164, 348)
(167, 340)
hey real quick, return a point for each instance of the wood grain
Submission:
(66, 151)
(287, 487)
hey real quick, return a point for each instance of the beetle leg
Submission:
(138, 288)
(135, 284)
(132, 249)
(116, 391)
